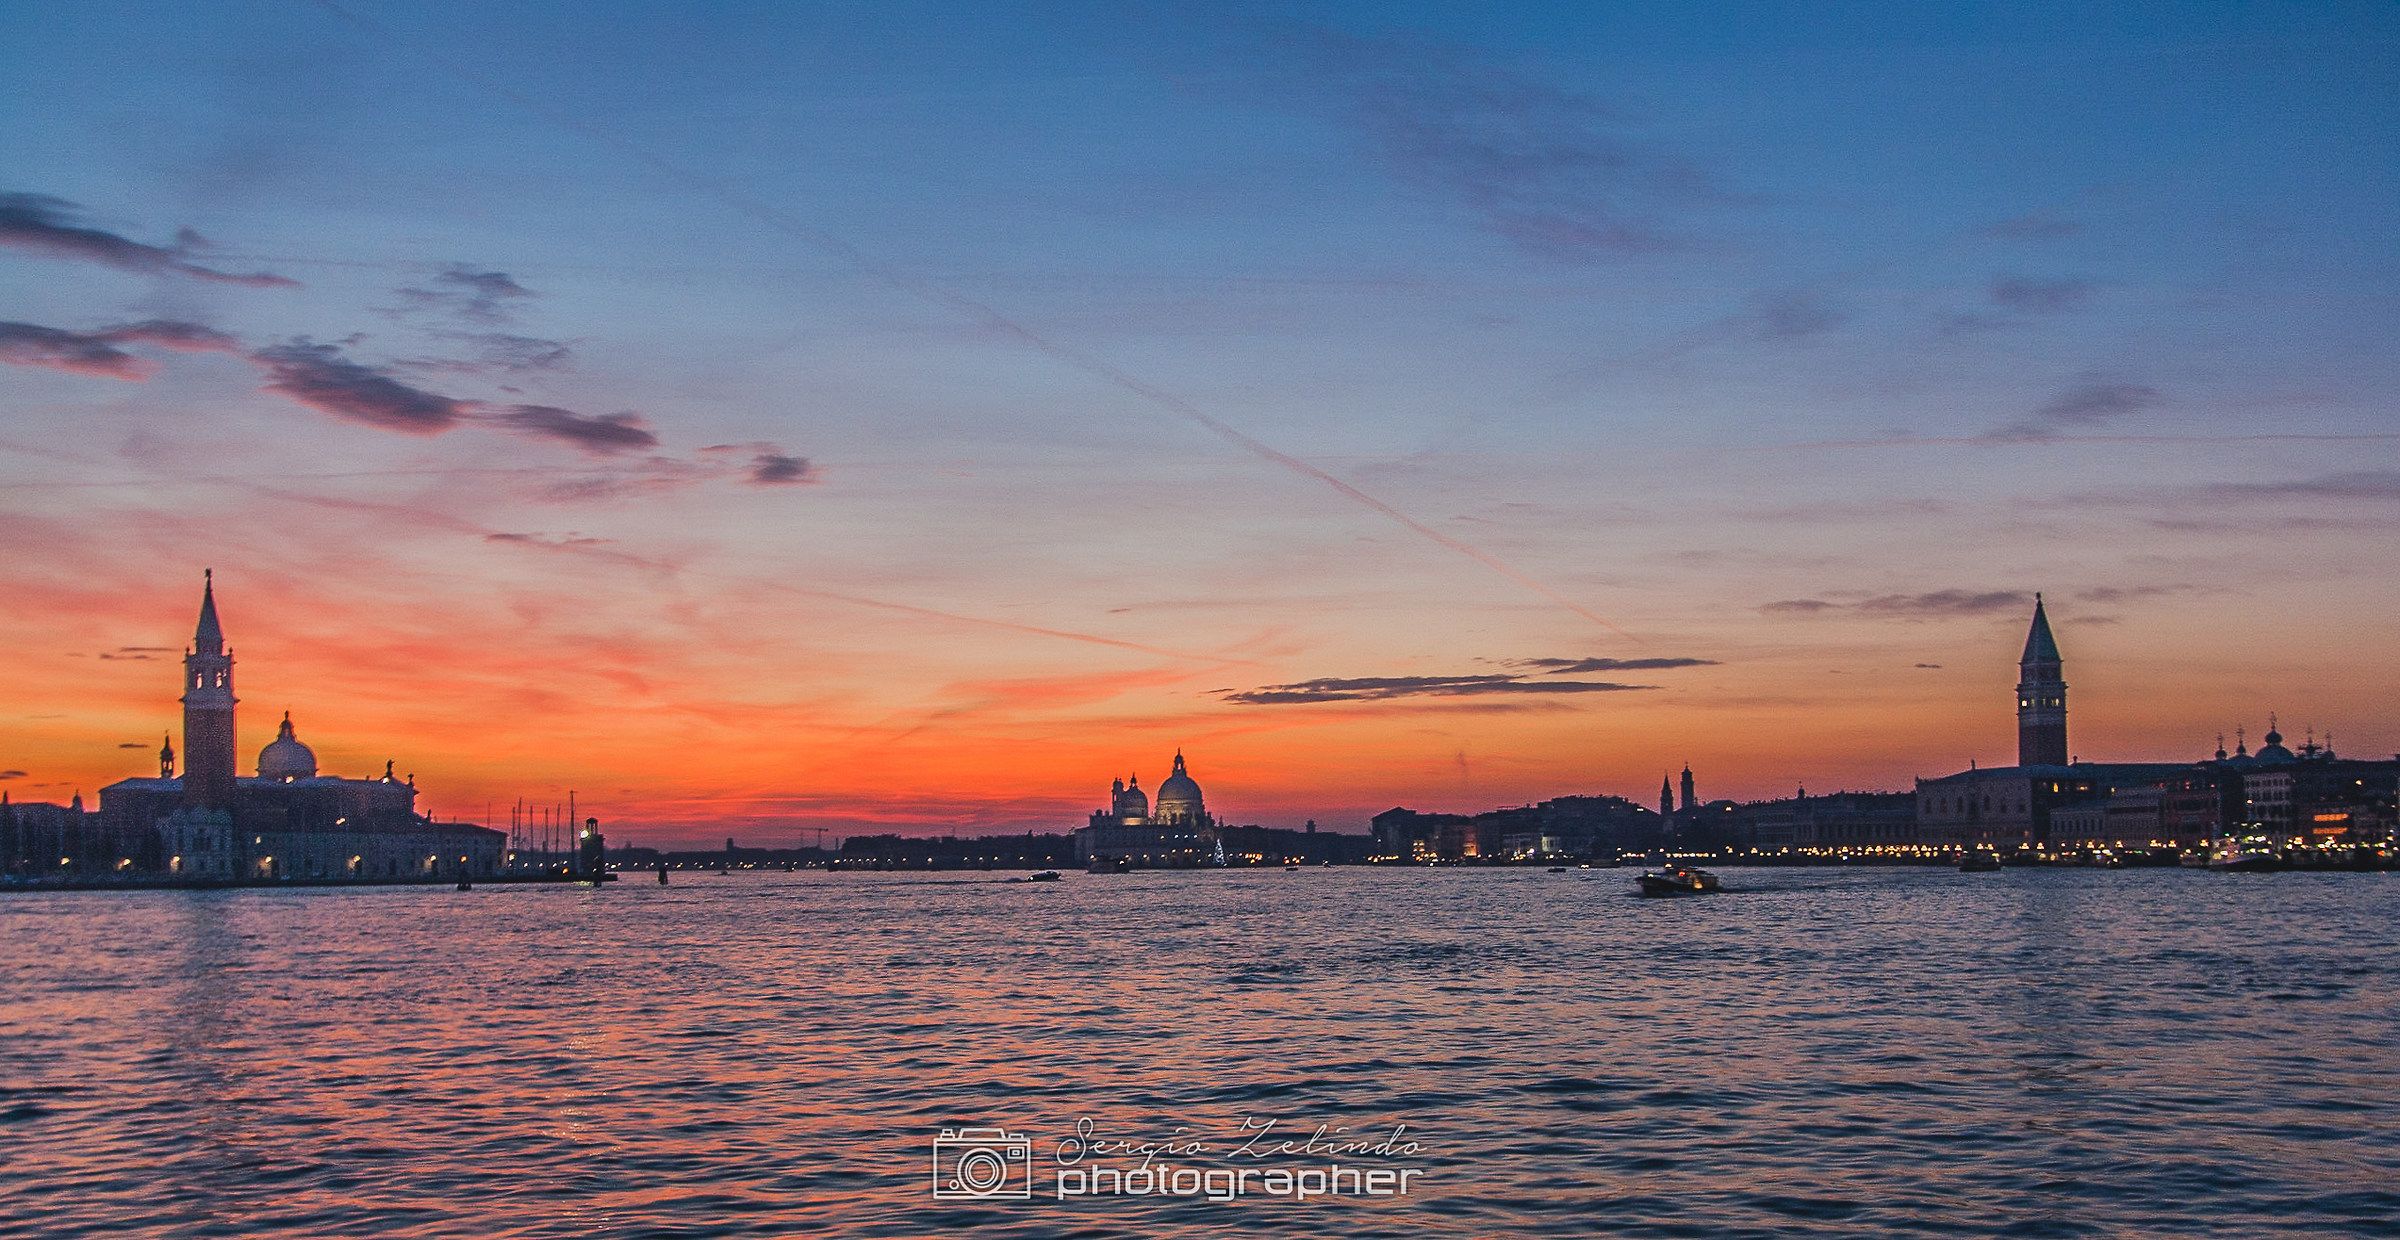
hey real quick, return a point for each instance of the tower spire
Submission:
(2041, 696)
(208, 701)
(209, 636)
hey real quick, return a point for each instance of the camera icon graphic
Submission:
(982, 1164)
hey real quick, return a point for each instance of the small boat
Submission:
(1979, 861)
(466, 885)
(2197, 859)
(1677, 880)
(2251, 856)
(1558, 869)
(1046, 876)
(1293, 866)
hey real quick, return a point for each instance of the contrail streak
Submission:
(973, 309)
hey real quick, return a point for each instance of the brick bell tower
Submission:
(208, 748)
(2041, 697)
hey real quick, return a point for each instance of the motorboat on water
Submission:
(1979, 861)
(1045, 876)
(1677, 880)
(2250, 856)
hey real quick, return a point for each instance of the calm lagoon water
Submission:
(1820, 1052)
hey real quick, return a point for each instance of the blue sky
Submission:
(1005, 388)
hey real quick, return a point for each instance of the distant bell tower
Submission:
(208, 710)
(1689, 801)
(166, 757)
(1666, 797)
(2041, 697)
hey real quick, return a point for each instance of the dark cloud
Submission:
(604, 435)
(172, 334)
(1931, 667)
(133, 745)
(2120, 594)
(317, 375)
(477, 296)
(546, 540)
(1575, 667)
(503, 351)
(1939, 603)
(488, 288)
(1383, 688)
(1945, 603)
(2030, 296)
(477, 300)
(2091, 402)
(774, 468)
(96, 353)
(1556, 172)
(83, 353)
(41, 224)
(2369, 484)
(12, 774)
(2038, 226)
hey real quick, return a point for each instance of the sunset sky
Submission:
(765, 419)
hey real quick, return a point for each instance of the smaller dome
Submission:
(1129, 801)
(2273, 752)
(285, 758)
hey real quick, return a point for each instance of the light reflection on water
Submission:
(1834, 1052)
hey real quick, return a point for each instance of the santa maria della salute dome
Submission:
(1132, 833)
(1179, 797)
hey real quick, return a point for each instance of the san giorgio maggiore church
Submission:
(287, 820)
(1134, 832)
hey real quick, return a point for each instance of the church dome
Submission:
(2273, 751)
(285, 757)
(1179, 794)
(1130, 802)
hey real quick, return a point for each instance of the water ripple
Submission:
(1818, 1053)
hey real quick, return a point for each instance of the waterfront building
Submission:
(2013, 806)
(1177, 832)
(38, 839)
(2050, 800)
(1569, 826)
(2309, 794)
(1827, 820)
(287, 820)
